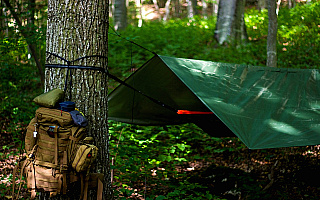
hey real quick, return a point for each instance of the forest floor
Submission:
(283, 173)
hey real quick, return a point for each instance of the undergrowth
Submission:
(158, 162)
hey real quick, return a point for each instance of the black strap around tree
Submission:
(70, 66)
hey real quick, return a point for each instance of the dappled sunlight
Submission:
(314, 151)
(282, 127)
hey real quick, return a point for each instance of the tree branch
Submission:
(271, 177)
(25, 34)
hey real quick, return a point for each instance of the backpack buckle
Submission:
(31, 156)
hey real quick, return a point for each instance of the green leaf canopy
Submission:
(265, 107)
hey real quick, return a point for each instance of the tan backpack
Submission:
(57, 155)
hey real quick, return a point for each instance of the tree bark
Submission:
(230, 26)
(272, 35)
(77, 29)
(120, 15)
(239, 32)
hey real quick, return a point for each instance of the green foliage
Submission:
(180, 37)
(298, 39)
(19, 84)
(153, 162)
(187, 190)
(151, 155)
(19, 79)
(299, 36)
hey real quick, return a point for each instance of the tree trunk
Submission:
(192, 8)
(215, 6)
(230, 26)
(120, 15)
(2, 19)
(31, 9)
(272, 35)
(167, 9)
(262, 4)
(177, 8)
(30, 25)
(26, 35)
(77, 29)
(111, 8)
(291, 4)
(239, 32)
(278, 7)
(156, 7)
(139, 12)
(204, 9)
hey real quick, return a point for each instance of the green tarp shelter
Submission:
(265, 107)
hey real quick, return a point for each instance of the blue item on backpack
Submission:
(67, 106)
(78, 118)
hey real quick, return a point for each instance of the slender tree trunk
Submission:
(167, 8)
(30, 24)
(77, 29)
(2, 20)
(204, 9)
(139, 12)
(278, 6)
(215, 6)
(31, 9)
(120, 15)
(26, 35)
(155, 3)
(239, 32)
(226, 12)
(177, 8)
(111, 8)
(230, 26)
(272, 35)
(262, 4)
(192, 8)
(291, 4)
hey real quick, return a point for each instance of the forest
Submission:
(173, 161)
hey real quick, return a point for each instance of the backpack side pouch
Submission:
(77, 135)
(85, 156)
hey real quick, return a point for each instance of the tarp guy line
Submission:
(69, 66)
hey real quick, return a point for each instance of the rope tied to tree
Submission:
(70, 66)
